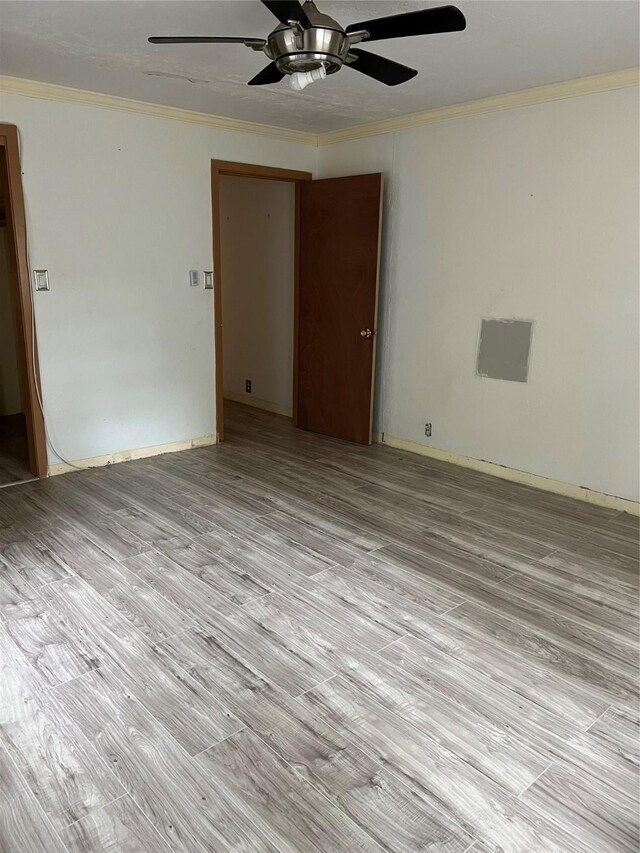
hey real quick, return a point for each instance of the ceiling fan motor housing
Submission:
(294, 51)
(295, 48)
(308, 45)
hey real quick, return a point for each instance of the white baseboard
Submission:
(546, 484)
(128, 455)
(257, 403)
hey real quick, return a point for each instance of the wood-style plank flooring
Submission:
(286, 643)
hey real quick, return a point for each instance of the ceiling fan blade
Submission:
(269, 74)
(379, 67)
(287, 10)
(442, 19)
(250, 42)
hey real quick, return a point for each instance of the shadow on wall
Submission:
(10, 393)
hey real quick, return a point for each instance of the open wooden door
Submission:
(337, 304)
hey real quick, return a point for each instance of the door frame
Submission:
(269, 173)
(26, 339)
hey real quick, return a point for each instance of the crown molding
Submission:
(510, 100)
(66, 94)
(496, 103)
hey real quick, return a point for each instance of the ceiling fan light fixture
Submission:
(308, 45)
(301, 79)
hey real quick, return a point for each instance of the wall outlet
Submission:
(427, 430)
(247, 386)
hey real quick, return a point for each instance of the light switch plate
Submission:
(194, 278)
(41, 280)
(208, 280)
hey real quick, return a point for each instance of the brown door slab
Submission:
(339, 259)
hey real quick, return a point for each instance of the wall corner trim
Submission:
(129, 455)
(69, 95)
(592, 85)
(514, 475)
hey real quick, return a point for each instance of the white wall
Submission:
(10, 396)
(119, 210)
(529, 213)
(257, 243)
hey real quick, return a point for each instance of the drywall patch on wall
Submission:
(503, 349)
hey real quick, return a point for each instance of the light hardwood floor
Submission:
(286, 643)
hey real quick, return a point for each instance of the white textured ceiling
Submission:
(508, 45)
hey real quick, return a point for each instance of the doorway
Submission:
(22, 436)
(257, 230)
(336, 227)
(234, 186)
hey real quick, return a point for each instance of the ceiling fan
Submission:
(307, 45)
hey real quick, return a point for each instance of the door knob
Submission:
(366, 333)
